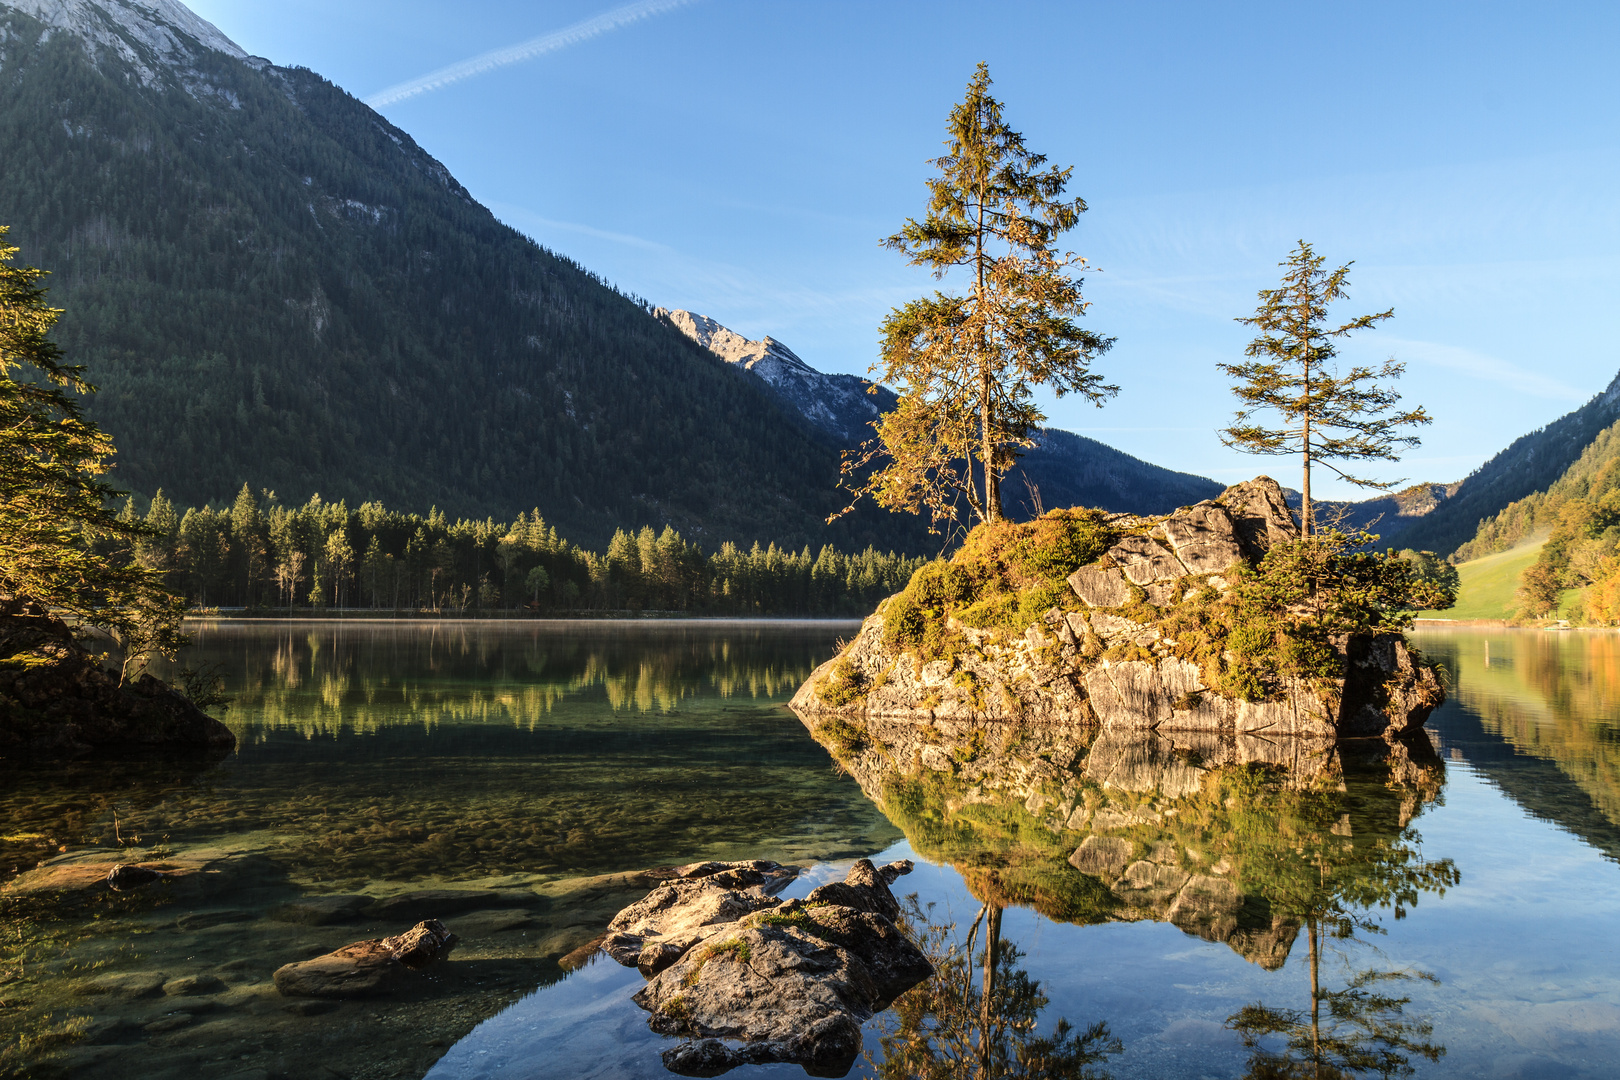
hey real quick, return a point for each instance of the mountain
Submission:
(1530, 464)
(273, 285)
(1064, 469)
(1392, 517)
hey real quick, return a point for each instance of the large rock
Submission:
(778, 982)
(57, 701)
(698, 902)
(370, 968)
(1118, 663)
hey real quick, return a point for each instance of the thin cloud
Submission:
(528, 50)
(1485, 367)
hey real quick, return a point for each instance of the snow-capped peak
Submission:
(769, 359)
(167, 31)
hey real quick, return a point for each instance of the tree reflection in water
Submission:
(948, 1028)
(1319, 876)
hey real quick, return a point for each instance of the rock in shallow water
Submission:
(371, 968)
(751, 980)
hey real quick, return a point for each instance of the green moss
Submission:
(844, 685)
(1003, 579)
(732, 948)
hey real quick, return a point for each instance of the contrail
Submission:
(512, 54)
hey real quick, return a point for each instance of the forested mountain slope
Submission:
(1530, 464)
(273, 285)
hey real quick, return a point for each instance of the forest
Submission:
(261, 554)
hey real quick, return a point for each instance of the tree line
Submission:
(259, 553)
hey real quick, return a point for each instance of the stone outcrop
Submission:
(746, 979)
(1101, 665)
(371, 968)
(57, 701)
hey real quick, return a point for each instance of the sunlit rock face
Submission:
(1234, 838)
(1108, 664)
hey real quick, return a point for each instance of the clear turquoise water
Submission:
(380, 759)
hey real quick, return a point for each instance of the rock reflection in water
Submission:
(1240, 840)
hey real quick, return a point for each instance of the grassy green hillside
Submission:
(1488, 584)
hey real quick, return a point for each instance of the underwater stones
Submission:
(792, 983)
(1100, 588)
(1144, 561)
(367, 968)
(432, 903)
(191, 985)
(322, 910)
(1101, 856)
(132, 984)
(125, 877)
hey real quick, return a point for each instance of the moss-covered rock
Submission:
(1211, 619)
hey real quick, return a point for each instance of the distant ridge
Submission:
(1531, 463)
(1065, 469)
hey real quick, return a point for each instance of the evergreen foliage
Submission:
(1325, 416)
(61, 549)
(275, 286)
(260, 553)
(964, 366)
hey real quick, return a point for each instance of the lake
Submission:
(1455, 903)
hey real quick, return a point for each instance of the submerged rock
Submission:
(368, 968)
(750, 980)
(56, 701)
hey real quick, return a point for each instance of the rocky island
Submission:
(1083, 618)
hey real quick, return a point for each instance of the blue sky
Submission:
(743, 159)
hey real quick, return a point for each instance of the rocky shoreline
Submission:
(57, 701)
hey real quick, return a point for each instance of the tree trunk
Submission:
(992, 955)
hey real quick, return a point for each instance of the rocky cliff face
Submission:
(57, 701)
(1123, 658)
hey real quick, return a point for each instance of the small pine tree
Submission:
(965, 365)
(1325, 417)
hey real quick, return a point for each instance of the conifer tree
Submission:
(61, 546)
(965, 365)
(1324, 416)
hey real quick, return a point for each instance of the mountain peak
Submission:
(141, 33)
(769, 359)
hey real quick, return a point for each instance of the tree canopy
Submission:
(965, 365)
(60, 543)
(1323, 416)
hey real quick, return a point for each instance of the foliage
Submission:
(1281, 617)
(965, 365)
(1365, 1031)
(262, 553)
(844, 685)
(1325, 416)
(1005, 576)
(275, 286)
(60, 546)
(945, 1029)
(1429, 568)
